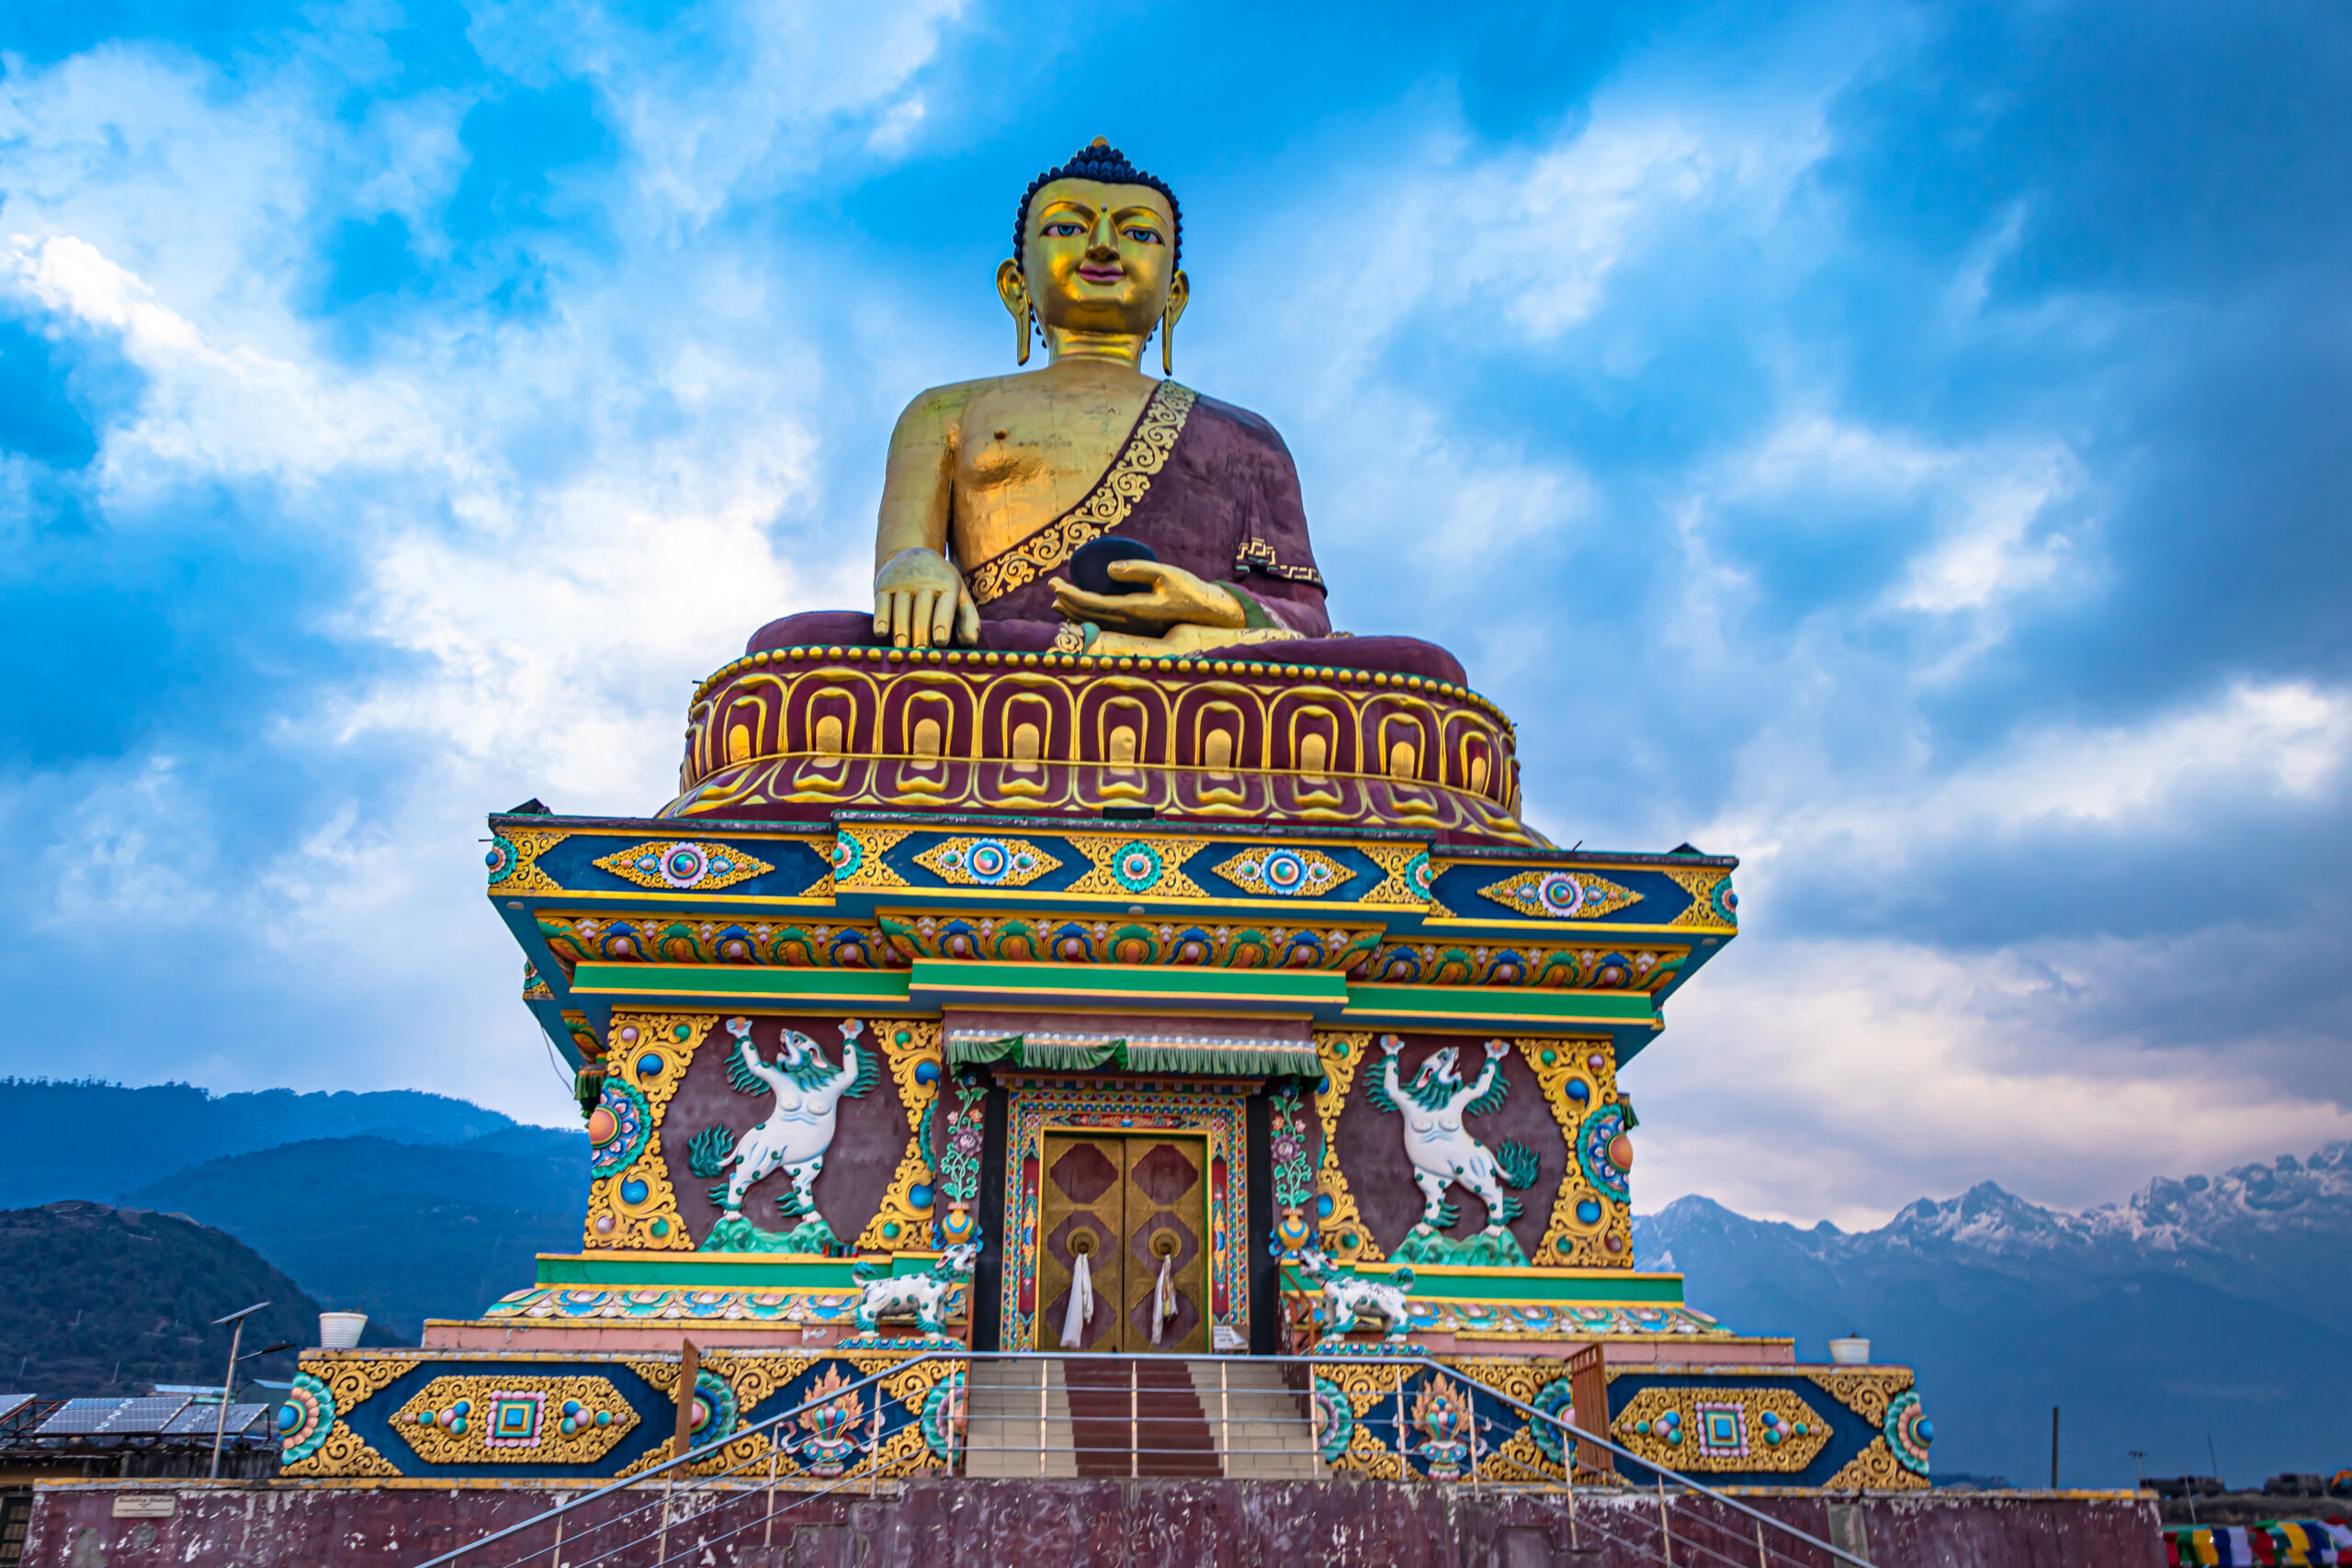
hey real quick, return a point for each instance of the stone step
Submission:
(1255, 1427)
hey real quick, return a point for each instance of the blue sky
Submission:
(1902, 446)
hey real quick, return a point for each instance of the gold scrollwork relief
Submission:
(1344, 1233)
(898, 1225)
(1865, 1391)
(512, 1419)
(525, 876)
(1742, 1429)
(635, 1207)
(1568, 1241)
(1875, 1469)
(351, 1380)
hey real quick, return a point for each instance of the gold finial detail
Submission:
(1101, 142)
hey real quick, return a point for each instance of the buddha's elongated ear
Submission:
(1180, 289)
(1012, 287)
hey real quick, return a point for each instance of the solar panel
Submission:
(13, 1404)
(144, 1418)
(79, 1417)
(197, 1420)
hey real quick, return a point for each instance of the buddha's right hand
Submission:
(919, 598)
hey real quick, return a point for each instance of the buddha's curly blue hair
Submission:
(1099, 161)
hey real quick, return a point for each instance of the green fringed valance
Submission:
(1144, 1054)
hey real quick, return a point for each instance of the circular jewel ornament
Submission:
(1909, 1432)
(1560, 895)
(618, 1128)
(304, 1419)
(1136, 866)
(1601, 1137)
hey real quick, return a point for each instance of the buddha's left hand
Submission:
(1173, 597)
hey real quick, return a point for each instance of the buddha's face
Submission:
(1100, 257)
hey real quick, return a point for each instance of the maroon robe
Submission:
(1211, 489)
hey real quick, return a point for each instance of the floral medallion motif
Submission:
(1557, 1398)
(988, 862)
(675, 865)
(1285, 872)
(1603, 1152)
(1419, 874)
(1334, 1418)
(617, 1128)
(1560, 894)
(500, 859)
(306, 1417)
(1136, 866)
(714, 1412)
(1909, 1432)
(943, 1416)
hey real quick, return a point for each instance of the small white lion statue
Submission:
(924, 1296)
(1347, 1298)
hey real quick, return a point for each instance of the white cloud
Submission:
(1811, 1079)
(2252, 745)
(558, 520)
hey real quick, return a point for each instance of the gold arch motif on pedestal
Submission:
(1330, 1181)
(674, 1038)
(907, 1046)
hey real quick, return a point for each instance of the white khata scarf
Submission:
(1163, 1298)
(1081, 1305)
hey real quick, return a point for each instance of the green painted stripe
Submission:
(1374, 1004)
(697, 1272)
(721, 980)
(1637, 1291)
(1117, 983)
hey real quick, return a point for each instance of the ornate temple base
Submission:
(1079, 1524)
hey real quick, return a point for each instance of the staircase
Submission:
(1105, 1417)
(1016, 1422)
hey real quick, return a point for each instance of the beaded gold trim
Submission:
(1107, 505)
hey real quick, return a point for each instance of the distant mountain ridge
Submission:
(109, 1301)
(403, 1204)
(401, 1231)
(95, 1140)
(2200, 1304)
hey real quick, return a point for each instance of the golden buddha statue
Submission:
(994, 486)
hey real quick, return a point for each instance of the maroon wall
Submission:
(869, 1134)
(1072, 1523)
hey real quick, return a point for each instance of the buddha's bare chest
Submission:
(1027, 454)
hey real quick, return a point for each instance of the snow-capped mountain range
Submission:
(2202, 1304)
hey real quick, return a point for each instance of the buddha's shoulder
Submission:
(949, 403)
(1247, 424)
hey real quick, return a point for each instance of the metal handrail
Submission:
(1414, 1359)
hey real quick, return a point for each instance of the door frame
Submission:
(1121, 1107)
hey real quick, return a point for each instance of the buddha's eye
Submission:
(1063, 230)
(1141, 235)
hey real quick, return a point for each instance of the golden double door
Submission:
(1133, 1207)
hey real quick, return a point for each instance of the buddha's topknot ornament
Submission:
(1098, 160)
